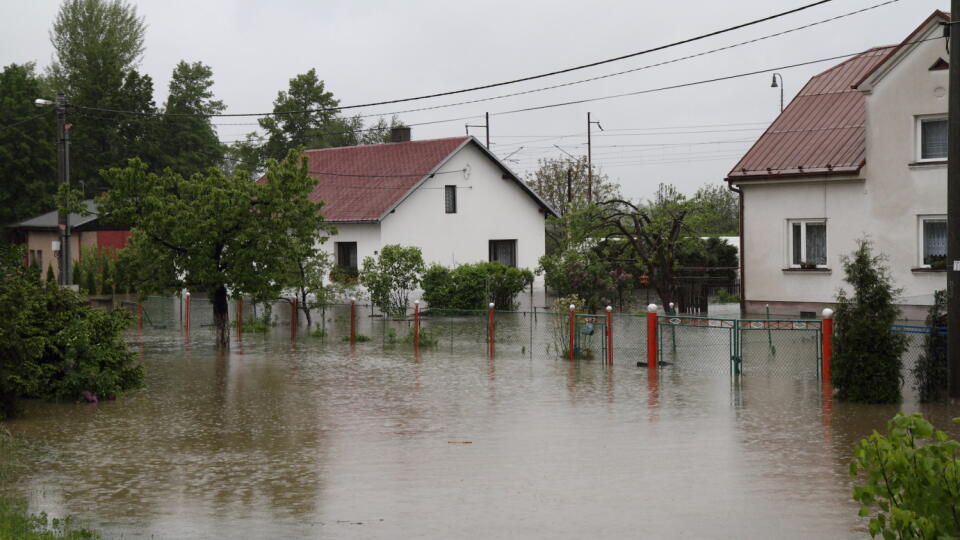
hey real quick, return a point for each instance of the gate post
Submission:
(186, 312)
(573, 329)
(827, 331)
(652, 336)
(139, 316)
(609, 335)
(490, 334)
(353, 321)
(416, 325)
(293, 318)
(240, 317)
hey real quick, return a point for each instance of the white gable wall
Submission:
(488, 208)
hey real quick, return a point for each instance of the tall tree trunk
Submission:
(306, 309)
(221, 316)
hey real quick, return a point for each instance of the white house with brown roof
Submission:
(860, 152)
(450, 197)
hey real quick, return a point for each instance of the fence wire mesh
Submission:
(781, 348)
(696, 343)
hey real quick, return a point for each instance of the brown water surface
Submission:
(273, 440)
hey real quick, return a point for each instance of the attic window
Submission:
(939, 65)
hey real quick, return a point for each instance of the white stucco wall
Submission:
(884, 203)
(366, 235)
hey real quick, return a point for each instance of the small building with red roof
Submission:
(860, 152)
(450, 197)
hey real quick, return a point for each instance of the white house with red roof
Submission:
(859, 152)
(450, 197)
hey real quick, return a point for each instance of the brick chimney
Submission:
(400, 134)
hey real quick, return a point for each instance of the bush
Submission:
(361, 338)
(912, 479)
(392, 276)
(54, 346)
(866, 352)
(473, 286)
(931, 372)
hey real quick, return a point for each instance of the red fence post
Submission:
(490, 336)
(294, 316)
(139, 316)
(353, 321)
(573, 329)
(652, 336)
(240, 317)
(610, 335)
(416, 325)
(827, 343)
(186, 312)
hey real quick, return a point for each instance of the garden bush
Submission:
(473, 286)
(392, 276)
(54, 346)
(931, 371)
(911, 480)
(866, 352)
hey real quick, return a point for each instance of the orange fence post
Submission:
(416, 325)
(573, 330)
(490, 327)
(652, 336)
(186, 312)
(353, 321)
(294, 316)
(827, 343)
(139, 316)
(610, 335)
(240, 317)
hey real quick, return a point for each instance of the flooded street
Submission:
(317, 440)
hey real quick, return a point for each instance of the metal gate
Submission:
(740, 346)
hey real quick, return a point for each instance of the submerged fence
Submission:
(790, 348)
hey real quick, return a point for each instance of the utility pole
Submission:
(63, 170)
(590, 158)
(953, 211)
(486, 126)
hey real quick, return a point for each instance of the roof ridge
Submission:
(460, 137)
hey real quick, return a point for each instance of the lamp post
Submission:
(63, 170)
(773, 84)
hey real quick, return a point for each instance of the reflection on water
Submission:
(274, 440)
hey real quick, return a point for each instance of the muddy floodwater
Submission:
(311, 440)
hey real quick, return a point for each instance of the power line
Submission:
(24, 121)
(513, 81)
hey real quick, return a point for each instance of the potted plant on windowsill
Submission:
(808, 265)
(938, 262)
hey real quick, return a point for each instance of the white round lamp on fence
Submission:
(572, 307)
(609, 309)
(827, 313)
(652, 308)
(490, 305)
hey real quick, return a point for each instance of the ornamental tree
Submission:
(214, 233)
(392, 276)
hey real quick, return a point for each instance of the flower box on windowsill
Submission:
(814, 270)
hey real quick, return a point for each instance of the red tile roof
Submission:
(821, 132)
(361, 183)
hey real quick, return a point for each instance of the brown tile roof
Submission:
(361, 183)
(821, 132)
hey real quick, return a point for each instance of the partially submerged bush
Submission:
(473, 286)
(931, 372)
(866, 352)
(911, 480)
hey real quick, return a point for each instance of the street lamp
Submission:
(63, 169)
(773, 84)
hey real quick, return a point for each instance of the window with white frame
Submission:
(807, 243)
(932, 138)
(933, 241)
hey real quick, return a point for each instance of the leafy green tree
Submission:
(97, 44)
(716, 211)
(309, 268)
(562, 183)
(931, 372)
(189, 143)
(911, 479)
(866, 352)
(28, 158)
(213, 233)
(391, 276)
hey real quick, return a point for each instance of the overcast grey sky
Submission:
(374, 50)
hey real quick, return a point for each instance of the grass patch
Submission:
(15, 521)
(257, 327)
(360, 339)
(319, 333)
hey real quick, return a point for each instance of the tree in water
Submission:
(214, 233)
(866, 352)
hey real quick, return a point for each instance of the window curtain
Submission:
(934, 240)
(933, 139)
(817, 243)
